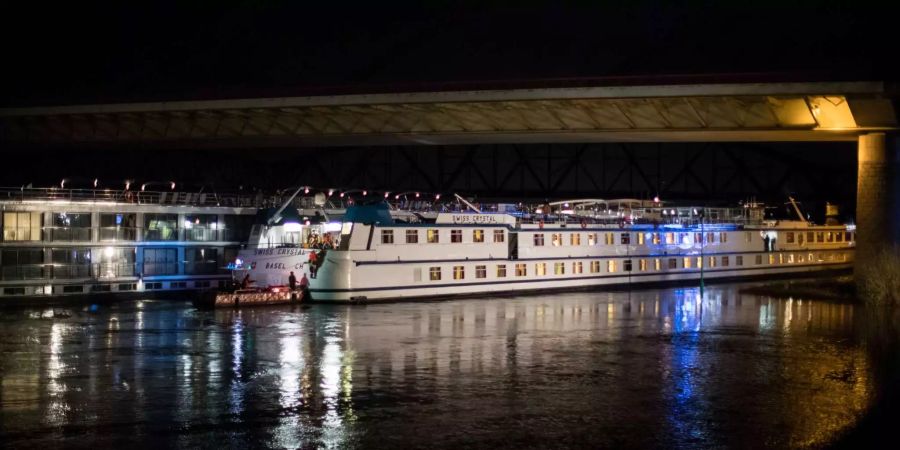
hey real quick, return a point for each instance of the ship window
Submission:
(538, 239)
(673, 263)
(434, 273)
(412, 236)
(687, 262)
(236, 228)
(160, 227)
(556, 239)
(611, 266)
(160, 261)
(710, 238)
(723, 237)
(626, 238)
(559, 268)
(712, 261)
(477, 235)
(683, 238)
(847, 236)
(829, 237)
(201, 227)
(540, 269)
(627, 265)
(498, 236)
(433, 236)
(456, 236)
(459, 272)
(820, 237)
(724, 261)
(71, 262)
(800, 238)
(610, 239)
(480, 271)
(575, 239)
(655, 238)
(21, 263)
(781, 258)
(501, 271)
(521, 270)
(699, 262)
(70, 227)
(577, 267)
(670, 238)
(789, 237)
(810, 237)
(739, 260)
(771, 259)
(201, 261)
(643, 265)
(749, 236)
(640, 238)
(592, 238)
(839, 237)
(387, 236)
(21, 226)
(595, 266)
(698, 238)
(117, 227)
(656, 264)
(790, 258)
(758, 259)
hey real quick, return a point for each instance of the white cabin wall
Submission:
(444, 249)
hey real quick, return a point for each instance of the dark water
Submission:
(659, 368)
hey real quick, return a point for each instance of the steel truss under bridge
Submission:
(710, 171)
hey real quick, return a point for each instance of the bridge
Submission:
(863, 111)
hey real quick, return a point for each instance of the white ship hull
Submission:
(372, 267)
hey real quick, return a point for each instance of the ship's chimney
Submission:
(831, 214)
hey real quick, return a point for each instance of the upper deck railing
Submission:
(19, 194)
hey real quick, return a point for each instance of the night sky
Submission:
(85, 52)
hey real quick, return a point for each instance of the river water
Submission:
(656, 368)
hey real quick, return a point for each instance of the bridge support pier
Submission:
(877, 198)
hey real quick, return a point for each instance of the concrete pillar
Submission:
(877, 196)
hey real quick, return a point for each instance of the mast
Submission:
(797, 209)
(277, 216)
(467, 203)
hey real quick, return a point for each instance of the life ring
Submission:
(583, 223)
(541, 224)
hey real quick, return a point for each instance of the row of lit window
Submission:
(433, 236)
(643, 265)
(556, 239)
(818, 237)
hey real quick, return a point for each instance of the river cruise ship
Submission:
(62, 242)
(377, 252)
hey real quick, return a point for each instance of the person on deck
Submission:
(292, 282)
(304, 287)
(313, 259)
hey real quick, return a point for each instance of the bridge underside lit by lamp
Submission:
(671, 113)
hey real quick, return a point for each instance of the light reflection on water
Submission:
(652, 368)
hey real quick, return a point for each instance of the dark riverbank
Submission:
(832, 288)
